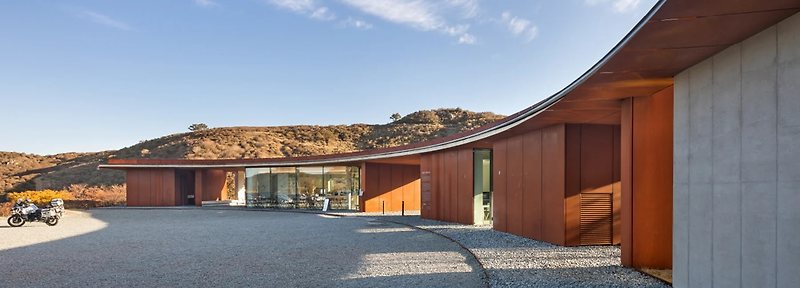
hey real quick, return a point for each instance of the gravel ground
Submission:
(513, 261)
(229, 248)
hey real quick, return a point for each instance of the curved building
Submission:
(682, 144)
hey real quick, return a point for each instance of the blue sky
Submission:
(98, 75)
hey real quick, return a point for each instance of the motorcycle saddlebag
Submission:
(56, 202)
(47, 213)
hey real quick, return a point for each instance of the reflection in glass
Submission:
(285, 179)
(342, 184)
(303, 187)
(258, 186)
(309, 187)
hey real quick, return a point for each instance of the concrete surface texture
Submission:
(737, 165)
(229, 248)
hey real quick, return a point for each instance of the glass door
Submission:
(482, 186)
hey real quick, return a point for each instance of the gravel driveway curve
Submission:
(229, 248)
(513, 261)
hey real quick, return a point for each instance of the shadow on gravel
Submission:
(204, 248)
(513, 261)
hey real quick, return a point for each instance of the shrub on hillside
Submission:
(420, 117)
(198, 127)
(40, 198)
(395, 117)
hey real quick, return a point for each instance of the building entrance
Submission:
(482, 186)
(184, 187)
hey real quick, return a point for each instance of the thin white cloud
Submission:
(456, 30)
(467, 38)
(619, 6)
(425, 15)
(520, 26)
(322, 13)
(623, 6)
(357, 23)
(294, 5)
(103, 19)
(205, 3)
(309, 8)
(417, 14)
(469, 8)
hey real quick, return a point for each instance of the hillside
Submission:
(20, 171)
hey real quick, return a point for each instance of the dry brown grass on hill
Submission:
(18, 168)
(98, 196)
(20, 172)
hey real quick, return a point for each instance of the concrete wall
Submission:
(737, 165)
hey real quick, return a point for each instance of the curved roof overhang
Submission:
(671, 37)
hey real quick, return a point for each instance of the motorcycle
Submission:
(25, 211)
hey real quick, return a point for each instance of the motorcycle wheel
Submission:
(52, 221)
(16, 221)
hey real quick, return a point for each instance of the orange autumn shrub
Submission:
(75, 196)
(40, 198)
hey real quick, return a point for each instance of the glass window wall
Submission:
(285, 184)
(342, 185)
(304, 187)
(309, 187)
(258, 185)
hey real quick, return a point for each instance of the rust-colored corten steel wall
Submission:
(213, 184)
(557, 184)
(647, 180)
(593, 188)
(388, 186)
(160, 187)
(447, 186)
(150, 187)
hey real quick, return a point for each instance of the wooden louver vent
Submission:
(596, 219)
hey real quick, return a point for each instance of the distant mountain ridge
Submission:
(21, 171)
